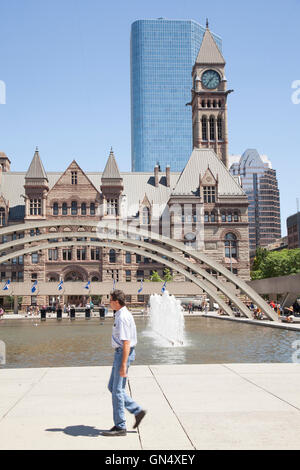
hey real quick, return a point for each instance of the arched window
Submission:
(230, 245)
(213, 217)
(214, 103)
(64, 208)
(236, 216)
(204, 128)
(74, 208)
(229, 217)
(206, 217)
(220, 103)
(223, 216)
(83, 208)
(208, 103)
(112, 256)
(55, 208)
(219, 125)
(146, 216)
(203, 104)
(212, 135)
(92, 208)
(2, 216)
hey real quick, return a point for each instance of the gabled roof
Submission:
(199, 161)
(36, 168)
(72, 167)
(209, 52)
(111, 170)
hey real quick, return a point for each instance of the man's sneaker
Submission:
(115, 431)
(138, 418)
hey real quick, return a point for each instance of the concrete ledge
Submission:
(205, 406)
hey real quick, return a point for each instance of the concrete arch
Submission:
(146, 246)
(199, 257)
(201, 283)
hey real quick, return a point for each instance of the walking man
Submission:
(124, 339)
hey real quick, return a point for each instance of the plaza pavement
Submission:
(205, 406)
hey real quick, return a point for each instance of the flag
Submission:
(88, 285)
(164, 287)
(141, 288)
(6, 285)
(60, 285)
(33, 288)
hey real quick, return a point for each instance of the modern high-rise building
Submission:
(259, 182)
(293, 230)
(163, 53)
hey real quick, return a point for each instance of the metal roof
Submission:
(136, 185)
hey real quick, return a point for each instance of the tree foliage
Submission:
(275, 263)
(155, 277)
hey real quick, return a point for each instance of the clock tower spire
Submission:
(209, 99)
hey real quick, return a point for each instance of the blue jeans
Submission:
(116, 385)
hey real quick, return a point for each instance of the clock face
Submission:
(211, 79)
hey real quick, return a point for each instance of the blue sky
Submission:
(66, 67)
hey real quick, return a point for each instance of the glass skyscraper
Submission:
(163, 53)
(259, 181)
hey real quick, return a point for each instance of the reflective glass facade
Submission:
(163, 53)
(260, 183)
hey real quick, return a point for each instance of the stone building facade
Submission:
(204, 206)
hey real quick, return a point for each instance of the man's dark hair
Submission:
(119, 296)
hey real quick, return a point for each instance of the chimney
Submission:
(168, 177)
(156, 175)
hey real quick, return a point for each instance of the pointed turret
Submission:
(36, 169)
(111, 181)
(111, 170)
(209, 52)
(36, 189)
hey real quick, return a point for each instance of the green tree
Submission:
(167, 275)
(276, 263)
(155, 277)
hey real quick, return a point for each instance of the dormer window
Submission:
(112, 206)
(209, 194)
(74, 177)
(146, 216)
(35, 207)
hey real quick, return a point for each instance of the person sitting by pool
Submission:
(258, 315)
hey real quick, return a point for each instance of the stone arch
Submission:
(77, 270)
(230, 229)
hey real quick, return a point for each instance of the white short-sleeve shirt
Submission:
(123, 329)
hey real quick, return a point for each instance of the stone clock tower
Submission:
(209, 99)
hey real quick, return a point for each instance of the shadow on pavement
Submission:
(81, 430)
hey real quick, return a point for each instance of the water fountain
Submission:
(167, 319)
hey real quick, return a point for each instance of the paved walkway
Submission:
(217, 406)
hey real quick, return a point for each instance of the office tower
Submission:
(163, 53)
(293, 230)
(260, 184)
